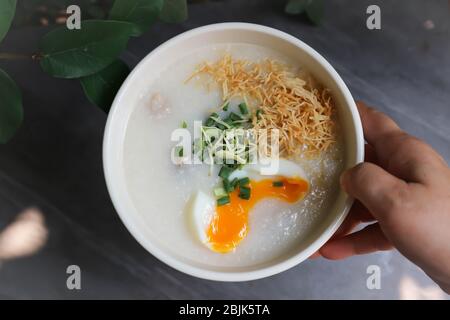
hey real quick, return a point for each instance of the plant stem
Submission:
(16, 56)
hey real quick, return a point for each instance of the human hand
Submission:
(404, 186)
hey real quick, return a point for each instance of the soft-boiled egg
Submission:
(222, 228)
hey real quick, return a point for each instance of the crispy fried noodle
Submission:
(302, 111)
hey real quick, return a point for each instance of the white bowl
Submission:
(158, 60)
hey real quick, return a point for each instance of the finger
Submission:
(381, 132)
(400, 153)
(378, 190)
(367, 240)
(369, 154)
(357, 215)
(376, 125)
(315, 255)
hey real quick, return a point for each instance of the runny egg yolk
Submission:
(229, 225)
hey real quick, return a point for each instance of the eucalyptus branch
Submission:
(89, 54)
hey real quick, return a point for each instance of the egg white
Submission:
(202, 209)
(203, 206)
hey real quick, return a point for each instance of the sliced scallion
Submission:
(225, 172)
(179, 151)
(229, 121)
(258, 114)
(235, 117)
(220, 192)
(244, 193)
(209, 122)
(227, 186)
(219, 123)
(222, 201)
(244, 181)
(278, 184)
(243, 108)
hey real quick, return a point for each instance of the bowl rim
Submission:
(110, 178)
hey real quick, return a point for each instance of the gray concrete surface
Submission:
(54, 163)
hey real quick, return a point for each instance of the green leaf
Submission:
(315, 10)
(96, 12)
(7, 11)
(11, 111)
(174, 11)
(78, 53)
(140, 12)
(101, 87)
(295, 6)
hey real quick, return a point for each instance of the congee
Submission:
(232, 154)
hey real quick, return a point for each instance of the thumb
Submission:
(375, 188)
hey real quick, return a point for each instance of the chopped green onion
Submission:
(243, 108)
(227, 186)
(278, 184)
(239, 122)
(229, 121)
(225, 106)
(209, 122)
(220, 126)
(225, 172)
(235, 117)
(244, 193)
(184, 124)
(222, 201)
(219, 123)
(258, 114)
(179, 151)
(244, 181)
(220, 192)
